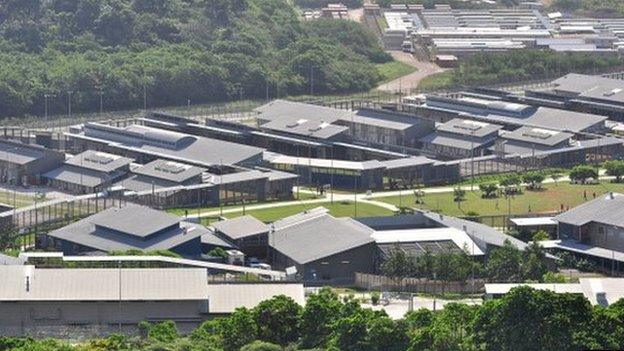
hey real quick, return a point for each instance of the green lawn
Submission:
(547, 200)
(21, 200)
(437, 81)
(393, 70)
(338, 209)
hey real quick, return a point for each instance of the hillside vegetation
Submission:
(173, 50)
(609, 8)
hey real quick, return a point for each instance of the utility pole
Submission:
(69, 103)
(101, 101)
(45, 108)
(472, 160)
(311, 80)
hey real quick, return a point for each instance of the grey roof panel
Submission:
(19, 153)
(456, 141)
(539, 136)
(169, 170)
(603, 209)
(140, 221)
(241, 227)
(321, 236)
(99, 161)
(103, 284)
(80, 176)
(469, 128)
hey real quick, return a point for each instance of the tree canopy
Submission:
(171, 51)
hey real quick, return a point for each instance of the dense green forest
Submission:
(322, 3)
(609, 8)
(459, 4)
(521, 65)
(517, 66)
(523, 320)
(171, 51)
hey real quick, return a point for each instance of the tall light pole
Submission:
(471, 160)
(45, 108)
(69, 103)
(101, 101)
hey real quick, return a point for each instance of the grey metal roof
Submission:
(380, 119)
(18, 153)
(152, 141)
(139, 222)
(169, 170)
(226, 298)
(211, 238)
(538, 136)
(456, 141)
(99, 161)
(301, 119)
(300, 126)
(413, 161)
(480, 233)
(469, 127)
(318, 237)
(80, 176)
(557, 119)
(236, 177)
(241, 227)
(142, 183)
(103, 284)
(594, 87)
(603, 209)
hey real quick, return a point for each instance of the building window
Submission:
(601, 230)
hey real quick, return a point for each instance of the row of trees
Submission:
(166, 52)
(523, 65)
(525, 319)
(505, 264)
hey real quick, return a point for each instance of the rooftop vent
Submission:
(100, 157)
(537, 133)
(613, 92)
(296, 124)
(171, 167)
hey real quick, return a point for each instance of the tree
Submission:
(239, 329)
(351, 333)
(488, 189)
(278, 320)
(528, 319)
(583, 173)
(451, 328)
(504, 263)
(540, 235)
(511, 183)
(615, 168)
(459, 195)
(388, 335)
(164, 331)
(398, 264)
(534, 262)
(319, 315)
(261, 346)
(533, 179)
(421, 318)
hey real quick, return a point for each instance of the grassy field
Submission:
(21, 200)
(393, 70)
(437, 81)
(549, 199)
(338, 209)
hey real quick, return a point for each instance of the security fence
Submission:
(417, 285)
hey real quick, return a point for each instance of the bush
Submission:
(164, 332)
(581, 174)
(540, 235)
(552, 277)
(261, 346)
(375, 297)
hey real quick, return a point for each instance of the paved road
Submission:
(410, 81)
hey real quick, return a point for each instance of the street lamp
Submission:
(69, 102)
(101, 101)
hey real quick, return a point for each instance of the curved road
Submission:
(410, 81)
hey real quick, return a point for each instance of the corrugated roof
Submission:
(539, 136)
(225, 298)
(469, 127)
(169, 170)
(19, 153)
(318, 237)
(79, 176)
(99, 161)
(241, 227)
(139, 221)
(456, 141)
(103, 284)
(603, 209)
